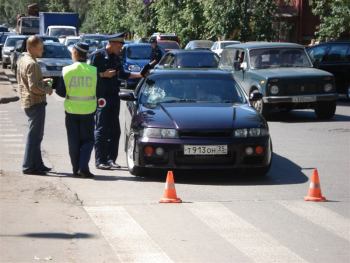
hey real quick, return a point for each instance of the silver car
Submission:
(55, 57)
(9, 47)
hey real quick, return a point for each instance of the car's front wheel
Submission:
(130, 156)
(325, 109)
(260, 106)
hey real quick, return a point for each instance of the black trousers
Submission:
(107, 132)
(80, 133)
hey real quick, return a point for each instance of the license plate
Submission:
(304, 99)
(205, 149)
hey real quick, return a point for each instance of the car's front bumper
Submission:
(174, 157)
(51, 73)
(6, 58)
(300, 99)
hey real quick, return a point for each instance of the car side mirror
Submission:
(244, 66)
(255, 96)
(127, 96)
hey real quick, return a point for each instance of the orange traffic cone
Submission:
(170, 192)
(314, 193)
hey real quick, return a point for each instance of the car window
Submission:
(225, 44)
(208, 89)
(197, 60)
(227, 59)
(168, 58)
(11, 42)
(139, 52)
(215, 46)
(278, 57)
(53, 51)
(169, 45)
(338, 53)
(317, 53)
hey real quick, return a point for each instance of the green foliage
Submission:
(334, 18)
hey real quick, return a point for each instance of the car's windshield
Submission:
(53, 51)
(169, 45)
(141, 52)
(71, 42)
(11, 41)
(225, 44)
(191, 89)
(3, 38)
(197, 60)
(278, 57)
(30, 22)
(62, 32)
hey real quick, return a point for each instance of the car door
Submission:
(238, 72)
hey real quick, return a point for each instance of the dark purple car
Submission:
(194, 119)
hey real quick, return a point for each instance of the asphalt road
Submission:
(224, 218)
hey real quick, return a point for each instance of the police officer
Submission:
(156, 55)
(79, 89)
(107, 129)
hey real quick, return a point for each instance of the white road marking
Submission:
(321, 216)
(11, 140)
(8, 130)
(129, 240)
(14, 145)
(257, 245)
(11, 135)
(58, 98)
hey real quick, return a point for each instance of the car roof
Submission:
(137, 45)
(201, 41)
(53, 44)
(188, 72)
(186, 51)
(256, 45)
(337, 42)
(93, 35)
(16, 36)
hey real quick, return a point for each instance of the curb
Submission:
(7, 99)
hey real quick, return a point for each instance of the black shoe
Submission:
(103, 166)
(85, 174)
(114, 165)
(45, 169)
(34, 172)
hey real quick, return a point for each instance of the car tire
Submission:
(260, 106)
(325, 109)
(130, 156)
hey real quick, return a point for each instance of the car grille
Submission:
(299, 87)
(54, 67)
(205, 134)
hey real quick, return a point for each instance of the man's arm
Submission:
(61, 88)
(36, 84)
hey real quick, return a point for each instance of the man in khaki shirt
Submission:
(33, 89)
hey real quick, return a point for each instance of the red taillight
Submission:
(259, 150)
(148, 151)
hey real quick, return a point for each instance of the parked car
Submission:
(284, 74)
(54, 58)
(21, 47)
(94, 41)
(194, 119)
(199, 44)
(3, 36)
(189, 59)
(168, 45)
(4, 28)
(334, 57)
(70, 41)
(165, 36)
(218, 46)
(134, 58)
(8, 47)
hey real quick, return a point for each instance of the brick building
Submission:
(295, 21)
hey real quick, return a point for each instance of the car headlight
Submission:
(134, 68)
(159, 133)
(328, 87)
(274, 89)
(252, 132)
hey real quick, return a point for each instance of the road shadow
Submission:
(299, 116)
(283, 171)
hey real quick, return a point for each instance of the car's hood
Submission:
(139, 62)
(55, 61)
(291, 72)
(195, 116)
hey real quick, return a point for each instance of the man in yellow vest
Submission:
(79, 89)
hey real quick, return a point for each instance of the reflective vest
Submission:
(80, 80)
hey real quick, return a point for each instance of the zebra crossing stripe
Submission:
(129, 240)
(321, 216)
(257, 245)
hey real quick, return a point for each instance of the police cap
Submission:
(82, 47)
(116, 38)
